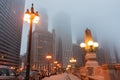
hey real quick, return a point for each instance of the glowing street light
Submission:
(69, 66)
(73, 60)
(48, 57)
(91, 46)
(30, 17)
(82, 45)
(55, 62)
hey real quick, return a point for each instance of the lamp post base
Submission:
(91, 60)
(91, 67)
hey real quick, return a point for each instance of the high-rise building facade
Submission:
(101, 56)
(42, 43)
(77, 53)
(62, 26)
(82, 52)
(116, 55)
(104, 51)
(11, 21)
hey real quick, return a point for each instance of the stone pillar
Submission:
(93, 70)
(91, 62)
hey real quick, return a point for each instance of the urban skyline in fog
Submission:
(73, 39)
(102, 17)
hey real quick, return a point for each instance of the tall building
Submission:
(82, 52)
(106, 51)
(59, 54)
(42, 43)
(101, 56)
(77, 53)
(116, 55)
(11, 15)
(63, 39)
(43, 23)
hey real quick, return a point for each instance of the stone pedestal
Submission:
(92, 67)
(91, 60)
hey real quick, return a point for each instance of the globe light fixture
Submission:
(90, 46)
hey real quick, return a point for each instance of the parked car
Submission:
(7, 74)
(33, 75)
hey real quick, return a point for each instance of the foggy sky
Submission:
(101, 16)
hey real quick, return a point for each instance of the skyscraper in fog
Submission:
(103, 52)
(62, 26)
(42, 42)
(11, 21)
(77, 53)
(80, 40)
(100, 54)
(116, 55)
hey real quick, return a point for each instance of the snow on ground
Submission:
(63, 76)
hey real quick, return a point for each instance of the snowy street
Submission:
(64, 76)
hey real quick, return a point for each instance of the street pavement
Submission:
(63, 76)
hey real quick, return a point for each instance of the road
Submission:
(63, 76)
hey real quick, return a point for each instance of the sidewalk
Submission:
(63, 76)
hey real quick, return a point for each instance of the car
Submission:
(6, 73)
(33, 75)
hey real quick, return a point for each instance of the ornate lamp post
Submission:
(55, 63)
(91, 65)
(90, 57)
(58, 68)
(73, 61)
(48, 57)
(30, 17)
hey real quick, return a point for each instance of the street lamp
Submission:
(48, 57)
(55, 62)
(73, 61)
(58, 66)
(90, 46)
(91, 62)
(30, 17)
(68, 66)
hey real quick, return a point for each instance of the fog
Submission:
(101, 16)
